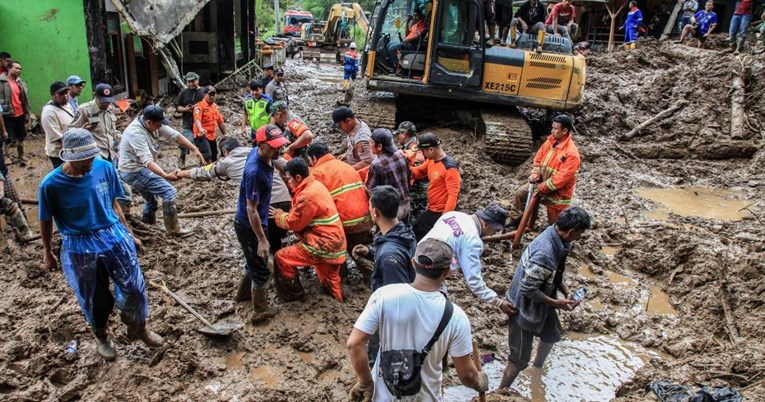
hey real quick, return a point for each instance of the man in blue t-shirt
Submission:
(251, 220)
(81, 197)
(704, 23)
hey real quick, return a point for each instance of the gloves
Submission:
(362, 392)
(483, 382)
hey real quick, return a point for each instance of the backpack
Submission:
(401, 368)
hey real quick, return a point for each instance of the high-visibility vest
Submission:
(257, 112)
(347, 191)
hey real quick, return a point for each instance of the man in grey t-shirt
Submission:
(359, 153)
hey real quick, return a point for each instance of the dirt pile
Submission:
(706, 266)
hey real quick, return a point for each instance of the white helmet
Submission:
(353, 45)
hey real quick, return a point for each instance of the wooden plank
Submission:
(671, 22)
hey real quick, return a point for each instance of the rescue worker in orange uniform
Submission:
(445, 182)
(347, 190)
(317, 225)
(206, 118)
(556, 166)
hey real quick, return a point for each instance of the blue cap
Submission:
(74, 80)
(155, 114)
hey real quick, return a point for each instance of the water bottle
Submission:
(71, 347)
(579, 294)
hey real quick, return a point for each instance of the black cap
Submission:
(433, 253)
(104, 93)
(155, 113)
(428, 140)
(278, 71)
(494, 215)
(209, 90)
(342, 113)
(58, 87)
(383, 136)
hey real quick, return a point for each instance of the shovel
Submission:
(217, 329)
(532, 203)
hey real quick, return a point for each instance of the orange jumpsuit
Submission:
(316, 223)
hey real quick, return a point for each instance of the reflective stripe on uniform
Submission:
(346, 188)
(324, 221)
(353, 222)
(550, 185)
(323, 254)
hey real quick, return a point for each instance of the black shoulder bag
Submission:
(401, 368)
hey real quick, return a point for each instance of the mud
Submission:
(695, 259)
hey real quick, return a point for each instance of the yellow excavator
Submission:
(335, 32)
(467, 81)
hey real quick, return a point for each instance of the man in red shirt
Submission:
(415, 28)
(560, 22)
(15, 105)
(206, 117)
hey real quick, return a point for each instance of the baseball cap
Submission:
(74, 80)
(210, 89)
(407, 127)
(271, 135)
(268, 66)
(155, 113)
(384, 137)
(342, 113)
(58, 87)
(353, 45)
(78, 144)
(494, 215)
(191, 76)
(429, 140)
(278, 106)
(104, 93)
(433, 254)
(279, 71)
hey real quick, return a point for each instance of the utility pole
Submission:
(278, 18)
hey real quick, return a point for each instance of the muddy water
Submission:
(581, 367)
(658, 302)
(694, 201)
(612, 277)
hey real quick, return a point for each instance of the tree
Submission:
(612, 5)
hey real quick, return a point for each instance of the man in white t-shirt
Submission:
(406, 316)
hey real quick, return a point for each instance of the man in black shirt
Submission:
(184, 104)
(531, 17)
(268, 74)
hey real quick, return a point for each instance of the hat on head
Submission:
(383, 136)
(278, 106)
(407, 127)
(58, 87)
(74, 80)
(271, 135)
(433, 254)
(104, 93)
(191, 76)
(279, 71)
(353, 45)
(268, 66)
(342, 113)
(428, 140)
(78, 144)
(210, 89)
(494, 215)
(156, 114)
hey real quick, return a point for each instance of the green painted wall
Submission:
(48, 38)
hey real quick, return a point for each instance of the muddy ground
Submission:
(701, 263)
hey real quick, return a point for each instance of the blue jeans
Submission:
(150, 186)
(394, 47)
(125, 187)
(189, 134)
(738, 26)
(684, 20)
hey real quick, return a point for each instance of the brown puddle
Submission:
(610, 250)
(235, 361)
(612, 277)
(658, 302)
(306, 357)
(581, 367)
(694, 201)
(264, 374)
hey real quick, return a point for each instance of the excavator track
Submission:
(508, 137)
(377, 109)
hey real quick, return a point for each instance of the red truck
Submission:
(294, 20)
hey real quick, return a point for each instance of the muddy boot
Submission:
(17, 220)
(104, 345)
(170, 216)
(739, 44)
(287, 290)
(149, 217)
(20, 150)
(503, 36)
(138, 331)
(243, 291)
(260, 308)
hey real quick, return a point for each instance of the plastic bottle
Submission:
(71, 347)
(579, 294)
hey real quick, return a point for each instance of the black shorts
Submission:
(16, 127)
(488, 12)
(208, 148)
(520, 341)
(698, 35)
(504, 14)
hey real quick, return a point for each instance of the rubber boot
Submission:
(104, 345)
(17, 219)
(243, 291)
(260, 308)
(739, 43)
(512, 38)
(20, 150)
(149, 217)
(503, 36)
(138, 332)
(170, 216)
(287, 289)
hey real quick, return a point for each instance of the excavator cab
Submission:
(450, 61)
